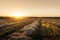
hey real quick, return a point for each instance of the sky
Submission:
(39, 8)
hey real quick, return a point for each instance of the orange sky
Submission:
(30, 7)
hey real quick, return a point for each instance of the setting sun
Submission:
(17, 14)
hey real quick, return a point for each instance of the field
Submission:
(30, 28)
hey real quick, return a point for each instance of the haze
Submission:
(30, 7)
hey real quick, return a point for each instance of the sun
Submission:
(17, 14)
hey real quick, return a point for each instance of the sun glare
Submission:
(17, 14)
